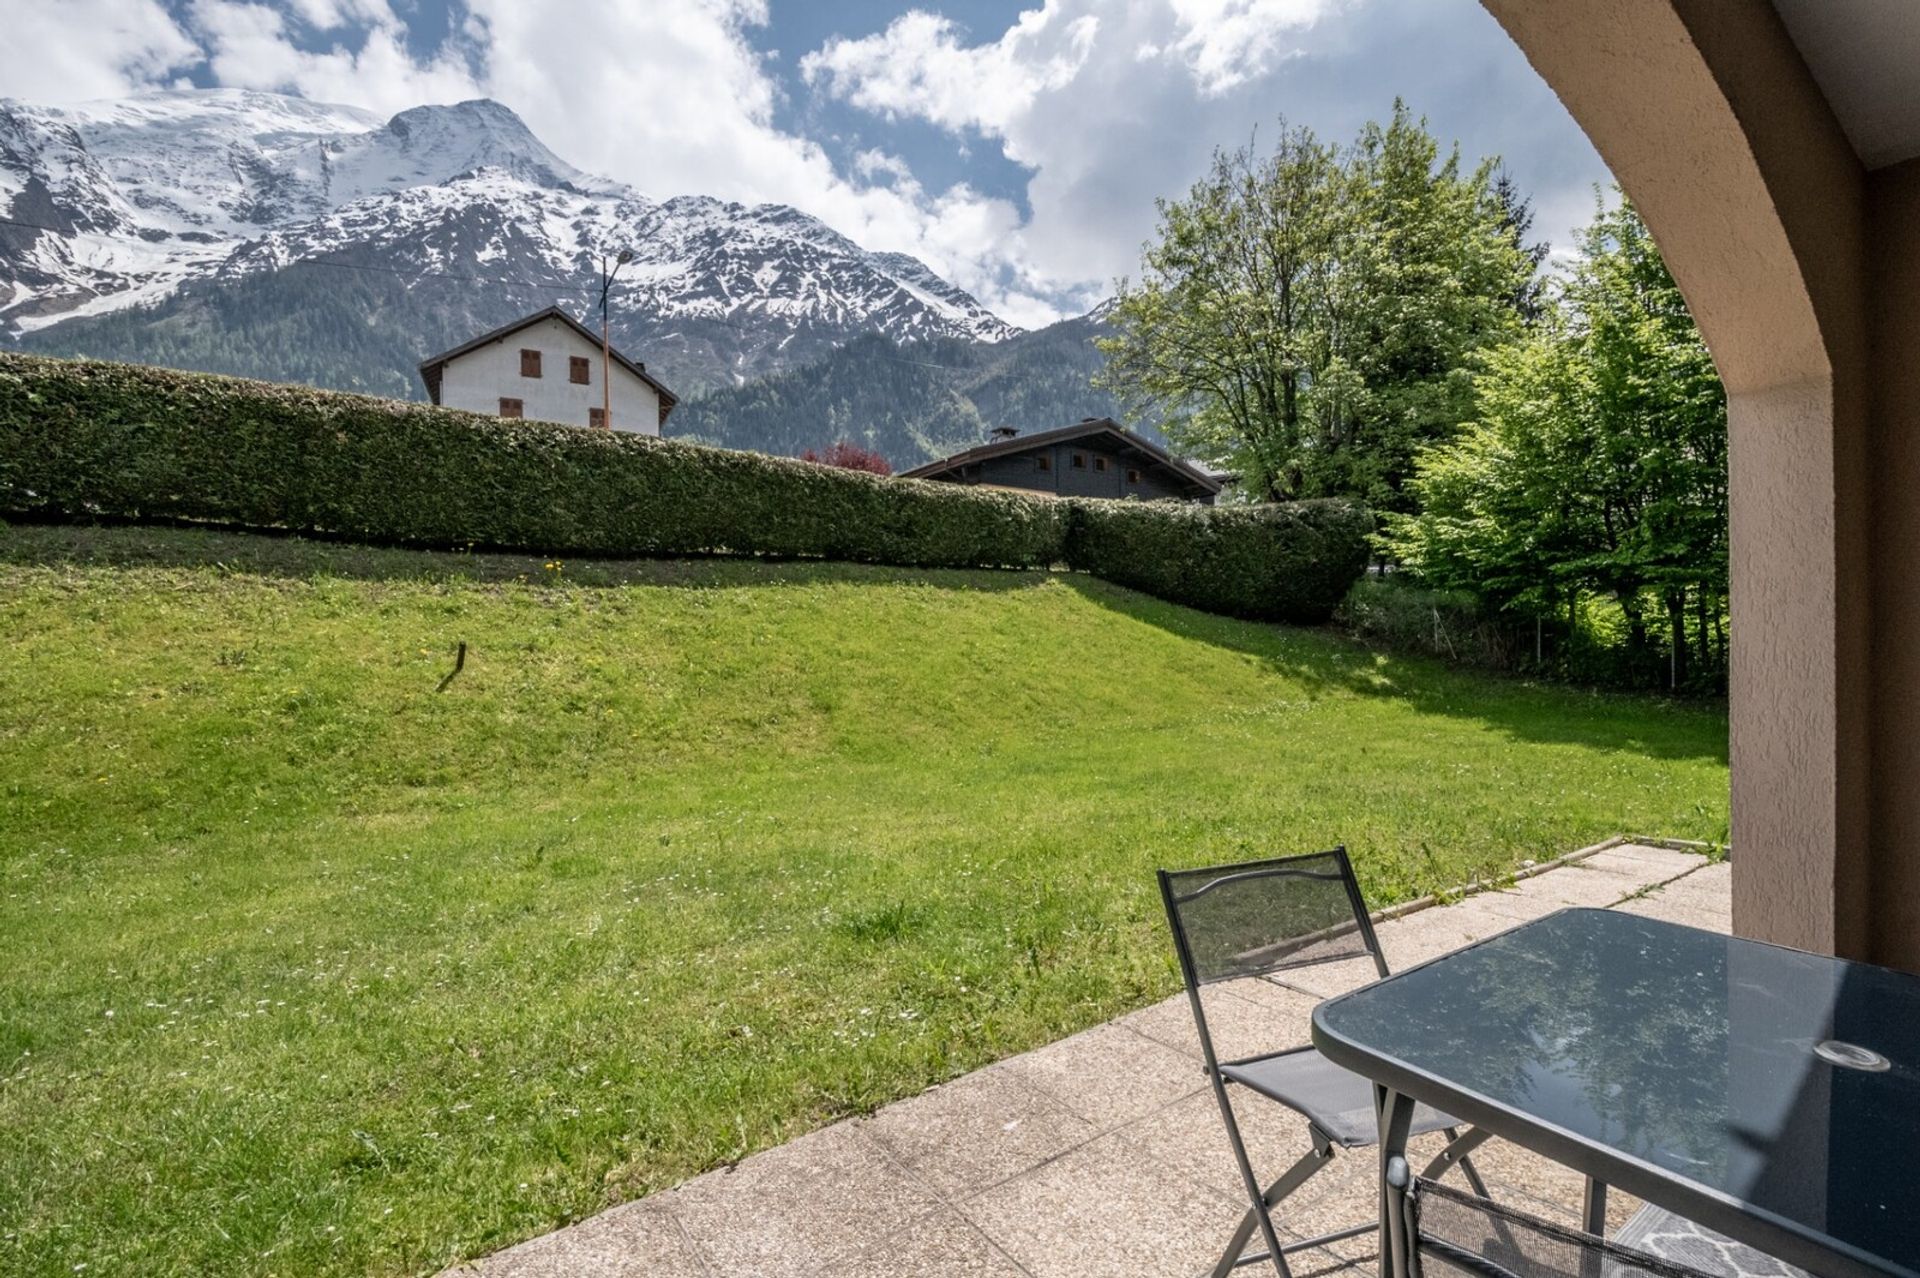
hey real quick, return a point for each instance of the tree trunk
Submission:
(1677, 623)
(1636, 614)
(1700, 620)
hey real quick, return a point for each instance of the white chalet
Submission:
(546, 367)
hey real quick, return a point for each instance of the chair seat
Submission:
(1337, 1101)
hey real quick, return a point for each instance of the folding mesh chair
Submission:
(1455, 1236)
(1249, 920)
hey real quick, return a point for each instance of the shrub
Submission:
(89, 438)
(1438, 623)
(86, 437)
(1290, 562)
(850, 456)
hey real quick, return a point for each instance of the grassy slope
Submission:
(313, 970)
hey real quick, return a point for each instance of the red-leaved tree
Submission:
(849, 456)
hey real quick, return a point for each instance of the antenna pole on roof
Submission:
(606, 343)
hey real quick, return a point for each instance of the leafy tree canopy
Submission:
(1597, 459)
(1312, 317)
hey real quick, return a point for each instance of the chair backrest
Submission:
(1457, 1235)
(1257, 917)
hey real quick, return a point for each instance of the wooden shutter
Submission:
(511, 407)
(577, 369)
(529, 363)
(596, 418)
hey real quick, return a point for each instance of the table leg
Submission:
(1593, 1219)
(1593, 1208)
(1396, 1177)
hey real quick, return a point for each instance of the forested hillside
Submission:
(910, 402)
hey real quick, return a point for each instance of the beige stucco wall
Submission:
(479, 379)
(1800, 268)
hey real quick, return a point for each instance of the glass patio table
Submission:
(1768, 1094)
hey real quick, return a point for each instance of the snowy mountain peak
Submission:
(128, 202)
(425, 145)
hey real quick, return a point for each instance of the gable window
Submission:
(1133, 476)
(529, 363)
(1100, 463)
(511, 407)
(1043, 462)
(597, 418)
(578, 369)
(1079, 461)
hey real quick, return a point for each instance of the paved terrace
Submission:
(1101, 1154)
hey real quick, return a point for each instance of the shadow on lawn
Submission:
(292, 557)
(1324, 660)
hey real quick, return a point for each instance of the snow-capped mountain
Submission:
(187, 206)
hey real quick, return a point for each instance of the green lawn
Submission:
(311, 969)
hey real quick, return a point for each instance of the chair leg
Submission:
(1295, 1176)
(1255, 1194)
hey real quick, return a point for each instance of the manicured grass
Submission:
(311, 969)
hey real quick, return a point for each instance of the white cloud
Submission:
(1228, 42)
(1098, 97)
(249, 46)
(74, 50)
(918, 66)
(1111, 103)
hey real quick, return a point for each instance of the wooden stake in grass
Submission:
(459, 663)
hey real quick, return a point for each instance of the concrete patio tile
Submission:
(1189, 1138)
(1104, 1211)
(1321, 1262)
(1702, 899)
(1709, 883)
(943, 1246)
(1109, 1075)
(799, 1208)
(1246, 1018)
(978, 1130)
(1532, 1183)
(1429, 933)
(638, 1240)
(1284, 1020)
(1580, 884)
(1664, 863)
(1169, 1023)
(1324, 980)
(1706, 917)
(1410, 939)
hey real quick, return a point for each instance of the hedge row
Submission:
(1290, 562)
(81, 437)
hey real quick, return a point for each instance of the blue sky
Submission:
(1017, 148)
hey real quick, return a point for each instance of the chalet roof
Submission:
(1087, 429)
(431, 368)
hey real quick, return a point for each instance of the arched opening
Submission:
(1794, 257)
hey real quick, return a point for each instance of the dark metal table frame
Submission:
(1398, 1086)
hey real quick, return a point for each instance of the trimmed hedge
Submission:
(90, 438)
(133, 441)
(1289, 562)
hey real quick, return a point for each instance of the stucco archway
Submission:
(1709, 117)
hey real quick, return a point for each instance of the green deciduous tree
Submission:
(1596, 462)
(1310, 317)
